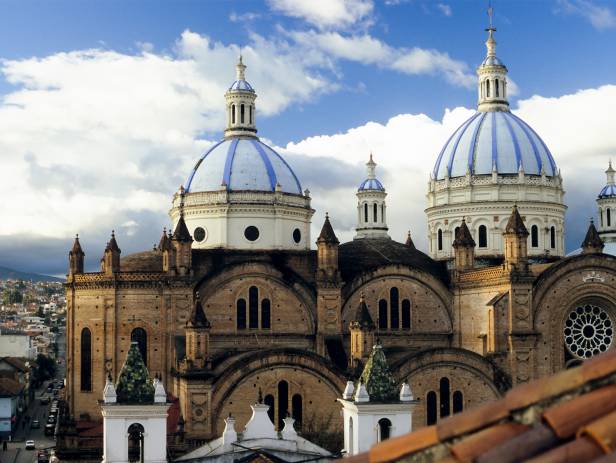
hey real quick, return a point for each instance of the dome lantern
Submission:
(240, 105)
(492, 73)
(371, 208)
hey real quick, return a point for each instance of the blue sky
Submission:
(327, 83)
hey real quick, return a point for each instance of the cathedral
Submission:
(234, 300)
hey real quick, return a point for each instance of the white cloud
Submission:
(368, 50)
(325, 14)
(92, 137)
(577, 126)
(600, 17)
(445, 9)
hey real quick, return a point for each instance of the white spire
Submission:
(492, 85)
(610, 174)
(240, 69)
(371, 165)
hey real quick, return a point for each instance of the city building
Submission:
(234, 300)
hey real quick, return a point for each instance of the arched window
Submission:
(496, 88)
(458, 402)
(552, 237)
(253, 307)
(431, 408)
(601, 217)
(394, 308)
(366, 212)
(296, 410)
(609, 217)
(283, 403)
(406, 314)
(444, 392)
(488, 88)
(269, 401)
(135, 442)
(265, 314)
(139, 336)
(483, 236)
(382, 213)
(242, 114)
(534, 236)
(241, 314)
(86, 360)
(250, 114)
(384, 429)
(374, 212)
(440, 239)
(233, 114)
(383, 314)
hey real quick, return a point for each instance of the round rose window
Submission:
(588, 331)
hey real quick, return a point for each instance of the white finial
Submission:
(229, 435)
(610, 174)
(348, 391)
(362, 394)
(260, 425)
(405, 393)
(109, 393)
(160, 396)
(371, 165)
(288, 432)
(240, 69)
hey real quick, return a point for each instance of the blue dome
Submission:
(608, 191)
(371, 184)
(242, 164)
(498, 139)
(241, 85)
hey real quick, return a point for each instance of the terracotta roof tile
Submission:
(472, 420)
(549, 386)
(567, 417)
(580, 402)
(578, 451)
(600, 366)
(393, 449)
(521, 447)
(603, 432)
(471, 447)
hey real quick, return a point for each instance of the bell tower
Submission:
(371, 210)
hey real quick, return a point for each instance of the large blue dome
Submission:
(494, 139)
(242, 164)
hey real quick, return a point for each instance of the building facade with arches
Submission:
(234, 301)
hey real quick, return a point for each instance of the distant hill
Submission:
(10, 274)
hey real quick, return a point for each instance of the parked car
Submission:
(51, 419)
(50, 429)
(30, 445)
(36, 424)
(42, 456)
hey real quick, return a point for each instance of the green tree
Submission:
(12, 296)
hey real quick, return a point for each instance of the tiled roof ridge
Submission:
(523, 407)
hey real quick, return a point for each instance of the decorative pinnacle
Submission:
(610, 174)
(240, 68)
(371, 165)
(491, 43)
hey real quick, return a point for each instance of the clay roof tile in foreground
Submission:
(567, 417)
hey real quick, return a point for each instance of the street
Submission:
(16, 452)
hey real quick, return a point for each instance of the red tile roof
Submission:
(567, 417)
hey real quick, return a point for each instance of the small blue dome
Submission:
(242, 164)
(608, 191)
(494, 139)
(492, 61)
(241, 85)
(371, 184)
